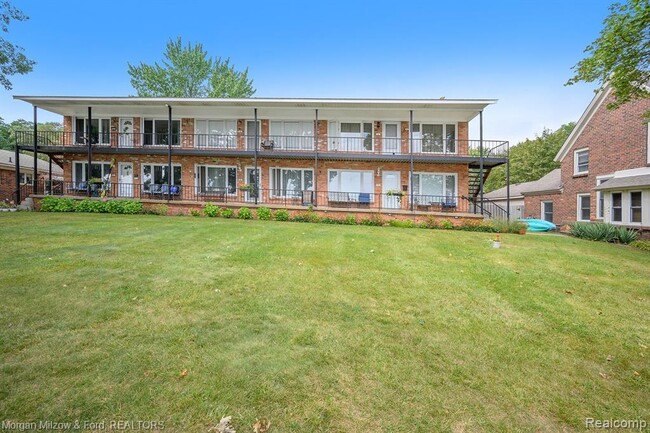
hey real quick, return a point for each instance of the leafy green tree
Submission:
(12, 59)
(8, 130)
(621, 55)
(530, 159)
(188, 72)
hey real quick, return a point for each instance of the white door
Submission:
(126, 132)
(392, 140)
(250, 180)
(391, 197)
(125, 179)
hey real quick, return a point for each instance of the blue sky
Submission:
(519, 52)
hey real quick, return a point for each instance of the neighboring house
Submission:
(8, 173)
(605, 168)
(545, 187)
(334, 154)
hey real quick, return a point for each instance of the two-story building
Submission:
(605, 169)
(378, 155)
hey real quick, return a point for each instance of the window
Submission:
(217, 179)
(581, 161)
(290, 182)
(346, 185)
(584, 207)
(158, 174)
(547, 211)
(98, 170)
(292, 135)
(617, 207)
(600, 197)
(100, 131)
(434, 138)
(156, 131)
(216, 133)
(25, 179)
(351, 136)
(433, 188)
(635, 207)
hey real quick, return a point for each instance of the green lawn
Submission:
(317, 328)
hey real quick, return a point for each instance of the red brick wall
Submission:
(616, 139)
(533, 205)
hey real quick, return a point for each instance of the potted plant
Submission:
(395, 193)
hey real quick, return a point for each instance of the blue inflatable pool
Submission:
(535, 225)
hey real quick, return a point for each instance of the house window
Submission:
(635, 207)
(25, 179)
(433, 188)
(216, 133)
(292, 135)
(581, 161)
(617, 207)
(351, 136)
(98, 170)
(600, 197)
(584, 207)
(290, 182)
(347, 185)
(547, 211)
(100, 131)
(158, 174)
(434, 138)
(156, 131)
(217, 179)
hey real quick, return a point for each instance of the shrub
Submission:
(603, 232)
(211, 210)
(57, 204)
(244, 214)
(505, 226)
(264, 213)
(227, 213)
(159, 209)
(480, 226)
(306, 217)
(91, 206)
(446, 225)
(282, 215)
(406, 224)
(431, 222)
(642, 245)
(350, 220)
(331, 220)
(195, 212)
(375, 220)
(132, 207)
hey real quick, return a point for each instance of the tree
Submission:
(8, 130)
(620, 57)
(188, 72)
(531, 159)
(12, 59)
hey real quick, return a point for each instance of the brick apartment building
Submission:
(8, 173)
(374, 155)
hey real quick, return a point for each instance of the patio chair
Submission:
(364, 198)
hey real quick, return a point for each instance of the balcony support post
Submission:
(411, 155)
(35, 174)
(255, 176)
(508, 182)
(90, 149)
(315, 200)
(480, 175)
(17, 168)
(49, 175)
(169, 152)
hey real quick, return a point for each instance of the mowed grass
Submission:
(317, 328)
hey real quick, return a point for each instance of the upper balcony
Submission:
(425, 147)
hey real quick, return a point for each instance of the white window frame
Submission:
(197, 183)
(611, 206)
(648, 146)
(85, 171)
(152, 164)
(336, 195)
(219, 140)
(579, 206)
(26, 178)
(275, 188)
(600, 196)
(575, 161)
(629, 196)
(543, 210)
(280, 140)
(417, 140)
(102, 134)
(154, 134)
(444, 184)
(334, 137)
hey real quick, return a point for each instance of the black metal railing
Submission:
(275, 143)
(244, 196)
